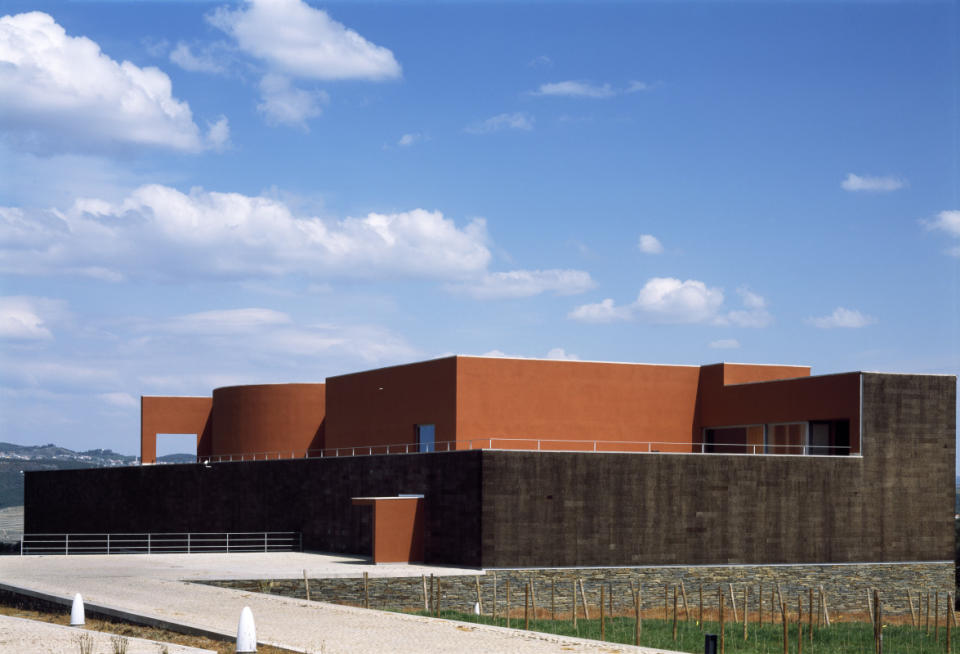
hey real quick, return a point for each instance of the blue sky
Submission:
(199, 194)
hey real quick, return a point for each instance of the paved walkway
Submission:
(21, 635)
(153, 589)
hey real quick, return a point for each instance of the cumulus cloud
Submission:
(601, 312)
(60, 92)
(949, 223)
(294, 38)
(409, 139)
(560, 354)
(556, 353)
(725, 344)
(162, 232)
(519, 120)
(576, 89)
(649, 244)
(284, 104)
(204, 62)
(667, 300)
(841, 317)
(871, 183)
(526, 283)
(24, 318)
(635, 86)
(753, 314)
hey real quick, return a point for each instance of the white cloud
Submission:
(664, 299)
(218, 133)
(870, 183)
(560, 354)
(649, 244)
(298, 40)
(542, 60)
(59, 92)
(725, 344)
(949, 222)
(575, 89)
(754, 313)
(841, 317)
(122, 400)
(56, 376)
(24, 318)
(161, 232)
(205, 62)
(231, 321)
(519, 120)
(283, 104)
(527, 283)
(635, 86)
(409, 139)
(600, 312)
(671, 301)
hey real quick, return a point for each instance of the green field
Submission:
(839, 638)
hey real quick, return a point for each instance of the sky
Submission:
(202, 194)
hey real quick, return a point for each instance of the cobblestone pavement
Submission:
(153, 587)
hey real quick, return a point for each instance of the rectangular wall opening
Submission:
(426, 437)
(176, 448)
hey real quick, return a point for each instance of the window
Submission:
(425, 437)
(747, 439)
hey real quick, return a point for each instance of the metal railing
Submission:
(161, 543)
(537, 445)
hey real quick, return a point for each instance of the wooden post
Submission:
(783, 615)
(722, 630)
(936, 616)
(826, 611)
(366, 590)
(870, 611)
(701, 608)
(819, 608)
(636, 608)
(760, 604)
(574, 604)
(746, 609)
(927, 618)
(675, 593)
(533, 597)
(436, 602)
(949, 614)
(683, 594)
(780, 599)
(878, 629)
(799, 637)
(494, 597)
(526, 607)
(426, 597)
(603, 616)
(666, 610)
(810, 615)
(508, 603)
(306, 585)
(733, 603)
(479, 597)
(430, 608)
(913, 615)
(583, 596)
(553, 599)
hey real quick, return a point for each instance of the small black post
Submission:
(710, 644)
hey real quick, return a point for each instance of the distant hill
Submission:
(15, 459)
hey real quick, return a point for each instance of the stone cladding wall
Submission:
(845, 586)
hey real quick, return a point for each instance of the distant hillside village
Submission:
(15, 459)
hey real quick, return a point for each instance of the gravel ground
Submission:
(20, 635)
(153, 586)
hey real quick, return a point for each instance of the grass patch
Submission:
(839, 638)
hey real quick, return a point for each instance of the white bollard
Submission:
(76, 611)
(476, 608)
(246, 632)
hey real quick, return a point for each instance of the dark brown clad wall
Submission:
(381, 407)
(270, 418)
(575, 401)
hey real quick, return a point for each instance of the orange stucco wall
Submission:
(282, 419)
(567, 401)
(827, 397)
(397, 528)
(173, 415)
(381, 407)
